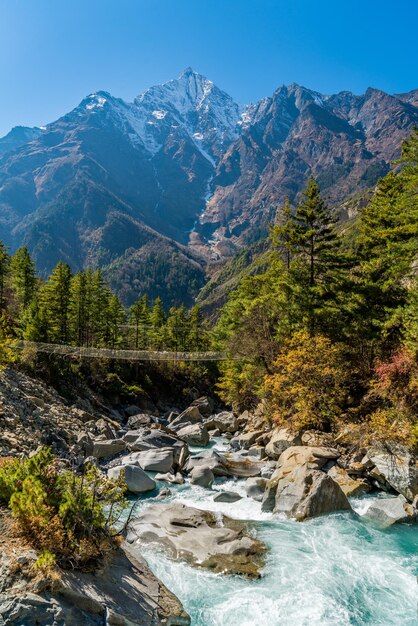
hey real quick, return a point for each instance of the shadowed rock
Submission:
(396, 466)
(122, 592)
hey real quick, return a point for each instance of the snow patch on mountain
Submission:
(97, 102)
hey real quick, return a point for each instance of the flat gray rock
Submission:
(228, 464)
(107, 448)
(194, 435)
(202, 476)
(199, 537)
(191, 415)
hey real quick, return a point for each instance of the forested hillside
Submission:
(329, 330)
(81, 310)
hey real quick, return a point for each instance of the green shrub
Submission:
(45, 563)
(70, 516)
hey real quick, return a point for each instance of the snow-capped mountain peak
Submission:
(206, 113)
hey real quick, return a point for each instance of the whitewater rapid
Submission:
(337, 570)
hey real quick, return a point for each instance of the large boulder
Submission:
(194, 435)
(309, 493)
(202, 476)
(395, 465)
(140, 419)
(205, 405)
(136, 480)
(350, 486)
(225, 422)
(156, 438)
(202, 538)
(103, 427)
(280, 440)
(156, 460)
(387, 511)
(191, 415)
(107, 448)
(246, 440)
(234, 464)
(299, 489)
(311, 457)
(133, 435)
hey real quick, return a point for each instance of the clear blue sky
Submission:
(54, 52)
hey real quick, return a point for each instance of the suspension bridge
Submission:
(83, 352)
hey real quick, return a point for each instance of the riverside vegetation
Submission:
(326, 324)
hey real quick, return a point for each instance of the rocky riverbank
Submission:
(123, 591)
(293, 475)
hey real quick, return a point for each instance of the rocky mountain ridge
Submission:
(155, 189)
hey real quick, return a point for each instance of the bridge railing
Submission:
(124, 355)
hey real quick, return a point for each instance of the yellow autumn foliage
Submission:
(307, 387)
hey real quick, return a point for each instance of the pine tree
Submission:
(157, 320)
(114, 318)
(4, 272)
(95, 308)
(23, 280)
(284, 234)
(55, 297)
(140, 318)
(177, 328)
(197, 336)
(315, 232)
(319, 260)
(35, 322)
(77, 314)
(387, 249)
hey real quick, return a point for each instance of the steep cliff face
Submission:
(184, 175)
(346, 141)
